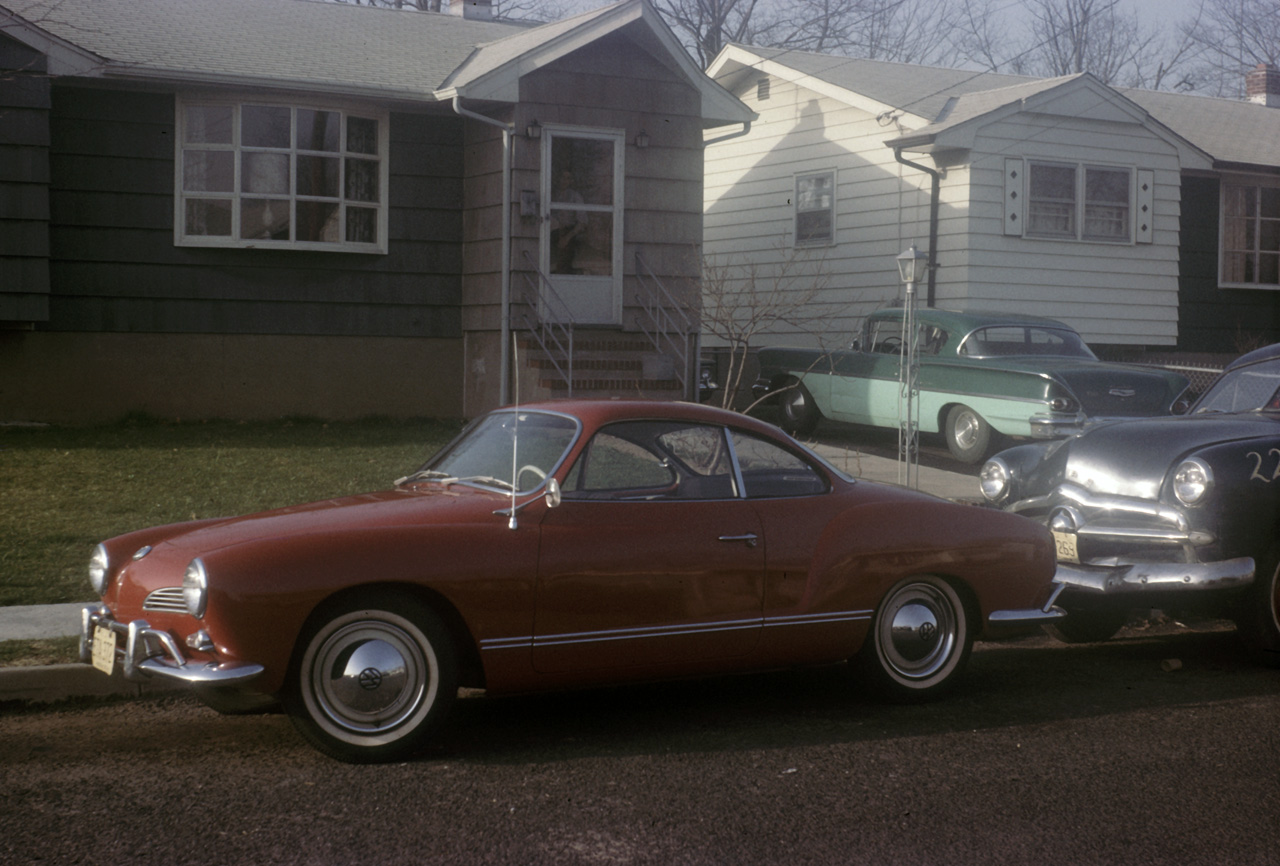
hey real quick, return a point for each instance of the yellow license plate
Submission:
(104, 649)
(1066, 544)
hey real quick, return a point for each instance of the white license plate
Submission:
(1066, 544)
(104, 649)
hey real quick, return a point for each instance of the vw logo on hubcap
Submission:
(370, 679)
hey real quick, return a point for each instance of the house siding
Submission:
(1113, 293)
(1215, 319)
(24, 187)
(750, 186)
(115, 270)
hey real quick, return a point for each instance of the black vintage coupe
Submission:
(1179, 513)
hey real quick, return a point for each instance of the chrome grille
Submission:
(168, 599)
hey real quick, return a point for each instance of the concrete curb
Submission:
(51, 683)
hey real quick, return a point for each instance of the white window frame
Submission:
(800, 207)
(237, 194)
(1260, 225)
(1079, 205)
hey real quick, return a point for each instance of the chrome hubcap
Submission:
(369, 677)
(918, 631)
(966, 430)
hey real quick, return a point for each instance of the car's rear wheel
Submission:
(1259, 621)
(800, 414)
(969, 436)
(374, 678)
(920, 639)
(1088, 626)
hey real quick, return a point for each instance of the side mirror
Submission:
(553, 493)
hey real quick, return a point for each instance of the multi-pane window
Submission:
(815, 208)
(1251, 235)
(265, 175)
(1080, 202)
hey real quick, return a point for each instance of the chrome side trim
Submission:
(150, 652)
(1144, 577)
(529, 641)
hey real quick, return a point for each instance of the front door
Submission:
(582, 185)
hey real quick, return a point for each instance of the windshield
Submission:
(1001, 340)
(1245, 390)
(504, 449)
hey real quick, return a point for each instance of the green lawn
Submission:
(64, 489)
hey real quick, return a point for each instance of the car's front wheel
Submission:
(969, 436)
(1088, 626)
(373, 679)
(920, 639)
(800, 414)
(1259, 621)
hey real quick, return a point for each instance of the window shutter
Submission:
(1144, 207)
(1013, 197)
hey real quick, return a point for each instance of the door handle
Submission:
(750, 538)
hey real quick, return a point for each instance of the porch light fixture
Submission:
(911, 266)
(533, 130)
(642, 139)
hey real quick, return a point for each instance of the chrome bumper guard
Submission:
(1145, 577)
(149, 652)
(1047, 614)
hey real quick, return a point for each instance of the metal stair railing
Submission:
(666, 324)
(554, 332)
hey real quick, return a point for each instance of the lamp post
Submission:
(911, 267)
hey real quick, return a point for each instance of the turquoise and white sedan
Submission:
(983, 378)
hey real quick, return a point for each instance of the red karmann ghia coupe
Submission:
(562, 545)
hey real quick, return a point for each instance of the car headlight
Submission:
(99, 568)
(994, 479)
(195, 589)
(1192, 481)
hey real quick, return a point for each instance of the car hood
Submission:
(1105, 389)
(411, 505)
(1132, 458)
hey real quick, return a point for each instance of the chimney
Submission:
(1262, 85)
(474, 10)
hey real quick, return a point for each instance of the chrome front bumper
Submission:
(1136, 578)
(149, 652)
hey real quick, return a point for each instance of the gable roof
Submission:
(933, 100)
(334, 48)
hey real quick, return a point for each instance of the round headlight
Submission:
(1192, 481)
(195, 589)
(994, 479)
(99, 568)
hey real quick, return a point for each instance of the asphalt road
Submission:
(1161, 747)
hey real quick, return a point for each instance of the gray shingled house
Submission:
(259, 208)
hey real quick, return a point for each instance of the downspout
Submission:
(931, 293)
(746, 127)
(504, 387)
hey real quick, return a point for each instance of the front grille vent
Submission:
(168, 599)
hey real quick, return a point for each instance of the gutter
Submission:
(504, 388)
(746, 127)
(931, 293)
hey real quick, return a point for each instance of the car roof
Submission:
(964, 321)
(595, 413)
(1266, 353)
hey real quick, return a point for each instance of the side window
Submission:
(653, 460)
(771, 471)
(613, 467)
(815, 209)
